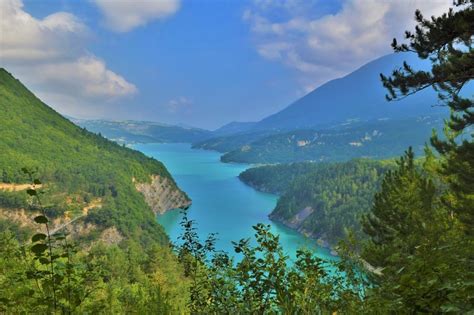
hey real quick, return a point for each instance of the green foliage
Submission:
(447, 41)
(53, 275)
(413, 240)
(263, 281)
(73, 162)
(420, 235)
(418, 257)
(277, 178)
(404, 204)
(13, 200)
(335, 195)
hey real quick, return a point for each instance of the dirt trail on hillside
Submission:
(96, 203)
(25, 218)
(17, 187)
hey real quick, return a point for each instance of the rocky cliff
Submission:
(161, 194)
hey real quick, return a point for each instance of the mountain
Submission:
(351, 101)
(234, 128)
(143, 131)
(359, 95)
(107, 188)
(231, 142)
(379, 139)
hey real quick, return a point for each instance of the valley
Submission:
(221, 203)
(256, 157)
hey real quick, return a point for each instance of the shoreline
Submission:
(320, 241)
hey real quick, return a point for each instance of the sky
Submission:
(200, 63)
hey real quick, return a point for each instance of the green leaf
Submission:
(450, 308)
(5, 301)
(30, 275)
(38, 237)
(59, 236)
(44, 260)
(41, 219)
(36, 181)
(38, 249)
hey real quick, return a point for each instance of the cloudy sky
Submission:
(202, 63)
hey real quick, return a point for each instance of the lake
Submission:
(221, 203)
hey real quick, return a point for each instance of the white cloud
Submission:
(125, 15)
(180, 104)
(332, 45)
(26, 39)
(50, 55)
(89, 72)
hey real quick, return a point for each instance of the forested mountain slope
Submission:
(79, 169)
(321, 200)
(231, 142)
(380, 139)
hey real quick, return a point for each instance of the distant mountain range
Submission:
(143, 131)
(234, 127)
(329, 123)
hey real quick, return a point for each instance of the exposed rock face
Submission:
(296, 223)
(111, 236)
(25, 219)
(162, 194)
(298, 219)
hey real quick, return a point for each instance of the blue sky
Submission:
(200, 63)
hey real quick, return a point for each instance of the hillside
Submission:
(274, 179)
(142, 131)
(377, 139)
(320, 200)
(85, 175)
(231, 142)
(233, 127)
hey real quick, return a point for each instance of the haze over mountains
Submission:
(359, 95)
(342, 119)
(143, 131)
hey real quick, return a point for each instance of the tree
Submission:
(447, 41)
(404, 204)
(263, 281)
(424, 255)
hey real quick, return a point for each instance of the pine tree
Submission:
(423, 239)
(447, 41)
(402, 210)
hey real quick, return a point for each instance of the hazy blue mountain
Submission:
(143, 131)
(234, 128)
(359, 95)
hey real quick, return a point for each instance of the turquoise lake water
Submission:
(221, 203)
